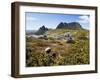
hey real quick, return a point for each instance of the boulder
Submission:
(70, 40)
(48, 50)
(42, 37)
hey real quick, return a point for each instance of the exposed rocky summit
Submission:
(41, 30)
(72, 25)
(62, 25)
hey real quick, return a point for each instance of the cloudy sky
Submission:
(35, 20)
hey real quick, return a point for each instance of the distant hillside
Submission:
(72, 25)
(75, 33)
(28, 32)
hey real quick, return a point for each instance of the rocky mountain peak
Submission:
(72, 25)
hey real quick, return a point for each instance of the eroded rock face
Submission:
(41, 30)
(62, 25)
(72, 25)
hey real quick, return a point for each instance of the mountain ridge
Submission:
(71, 25)
(61, 25)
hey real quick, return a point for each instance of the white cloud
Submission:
(31, 18)
(83, 19)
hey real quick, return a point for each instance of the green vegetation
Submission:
(62, 53)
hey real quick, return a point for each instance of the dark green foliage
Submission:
(50, 38)
(78, 53)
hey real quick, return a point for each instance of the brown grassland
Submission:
(62, 53)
